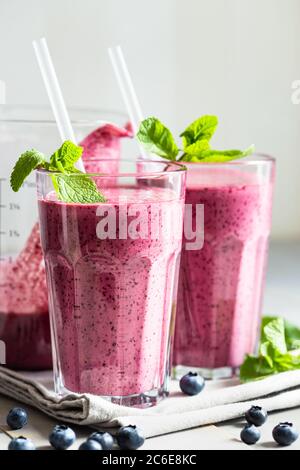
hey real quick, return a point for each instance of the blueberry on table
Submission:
(192, 383)
(256, 415)
(17, 418)
(250, 434)
(62, 437)
(130, 437)
(90, 444)
(285, 434)
(21, 443)
(104, 438)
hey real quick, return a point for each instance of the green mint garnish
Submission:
(81, 189)
(157, 139)
(28, 161)
(78, 189)
(201, 129)
(65, 157)
(279, 350)
(218, 156)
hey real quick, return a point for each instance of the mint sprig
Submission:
(75, 189)
(279, 350)
(157, 139)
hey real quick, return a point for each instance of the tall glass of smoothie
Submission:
(222, 276)
(112, 273)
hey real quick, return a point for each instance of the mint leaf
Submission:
(289, 361)
(292, 333)
(77, 189)
(27, 162)
(201, 129)
(254, 368)
(276, 353)
(156, 138)
(223, 156)
(69, 183)
(273, 334)
(292, 336)
(195, 150)
(65, 157)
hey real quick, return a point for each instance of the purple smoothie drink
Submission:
(221, 284)
(113, 293)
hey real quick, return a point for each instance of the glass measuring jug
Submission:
(24, 320)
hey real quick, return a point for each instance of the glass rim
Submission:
(177, 167)
(52, 121)
(254, 159)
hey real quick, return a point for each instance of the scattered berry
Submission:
(285, 434)
(17, 418)
(130, 437)
(104, 438)
(91, 444)
(21, 443)
(250, 434)
(62, 437)
(192, 383)
(256, 415)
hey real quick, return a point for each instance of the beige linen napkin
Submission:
(220, 401)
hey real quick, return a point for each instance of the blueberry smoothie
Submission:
(112, 300)
(220, 287)
(24, 319)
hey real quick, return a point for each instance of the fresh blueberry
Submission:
(21, 443)
(130, 437)
(192, 383)
(90, 444)
(256, 415)
(17, 418)
(285, 434)
(250, 434)
(62, 437)
(104, 438)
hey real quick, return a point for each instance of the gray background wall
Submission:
(235, 58)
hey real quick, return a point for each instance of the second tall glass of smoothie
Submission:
(112, 272)
(221, 282)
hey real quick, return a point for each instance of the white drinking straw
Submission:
(126, 88)
(55, 94)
